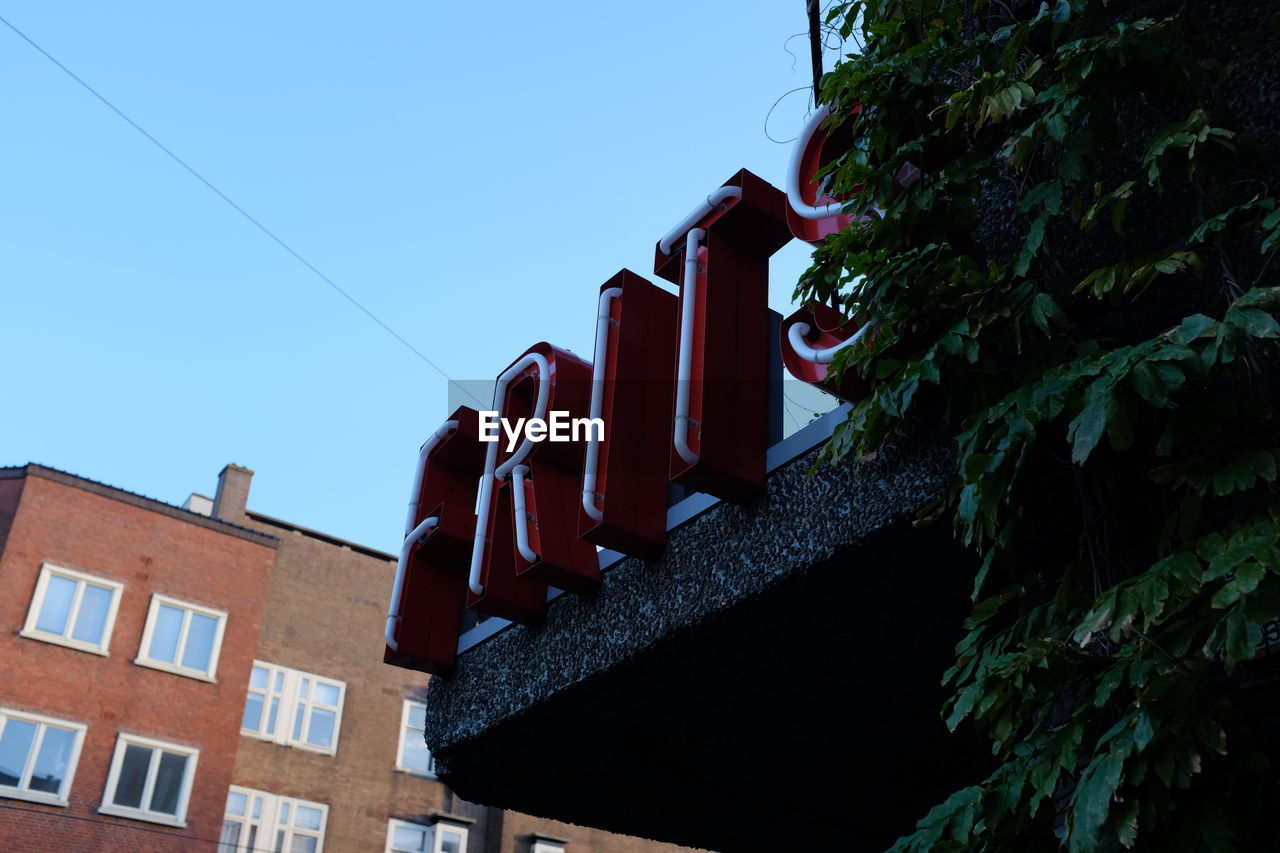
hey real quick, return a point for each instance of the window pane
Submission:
(271, 719)
(164, 638)
(416, 755)
(230, 836)
(236, 803)
(91, 620)
(258, 678)
(326, 694)
(418, 716)
(409, 839)
(303, 844)
(252, 712)
(57, 605)
(297, 721)
(284, 813)
(306, 686)
(320, 733)
(199, 646)
(164, 797)
(279, 681)
(52, 760)
(133, 776)
(308, 818)
(15, 746)
(450, 842)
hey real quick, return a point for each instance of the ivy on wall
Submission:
(1081, 285)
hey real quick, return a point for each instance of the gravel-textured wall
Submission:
(710, 565)
(767, 650)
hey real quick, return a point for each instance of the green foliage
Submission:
(1111, 394)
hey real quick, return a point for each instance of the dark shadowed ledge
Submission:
(777, 666)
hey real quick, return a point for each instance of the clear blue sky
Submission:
(470, 172)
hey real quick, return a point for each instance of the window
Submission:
(258, 821)
(413, 754)
(38, 756)
(450, 838)
(444, 837)
(542, 845)
(182, 638)
(73, 609)
(150, 780)
(292, 707)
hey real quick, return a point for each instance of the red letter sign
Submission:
(719, 256)
(431, 577)
(624, 486)
(529, 497)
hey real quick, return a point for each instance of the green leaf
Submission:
(1085, 430)
(1092, 800)
(1257, 324)
(1246, 580)
(1242, 472)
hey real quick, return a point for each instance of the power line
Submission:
(220, 194)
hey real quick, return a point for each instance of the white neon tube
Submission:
(798, 204)
(415, 536)
(589, 469)
(518, 474)
(539, 408)
(429, 445)
(713, 202)
(492, 471)
(684, 370)
(412, 534)
(795, 337)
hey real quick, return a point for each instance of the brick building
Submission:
(355, 758)
(130, 627)
(207, 677)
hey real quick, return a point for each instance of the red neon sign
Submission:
(680, 385)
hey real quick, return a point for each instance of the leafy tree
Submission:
(1081, 286)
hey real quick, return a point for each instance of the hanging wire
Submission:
(236, 207)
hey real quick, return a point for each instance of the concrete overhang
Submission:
(769, 681)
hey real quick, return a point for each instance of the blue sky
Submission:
(470, 173)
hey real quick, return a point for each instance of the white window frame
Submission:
(437, 840)
(286, 718)
(430, 772)
(47, 570)
(269, 824)
(157, 746)
(176, 667)
(542, 845)
(394, 824)
(430, 829)
(18, 792)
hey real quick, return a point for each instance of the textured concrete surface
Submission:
(710, 565)
(756, 666)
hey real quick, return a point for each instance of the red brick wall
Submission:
(147, 551)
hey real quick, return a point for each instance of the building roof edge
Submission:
(106, 490)
(323, 537)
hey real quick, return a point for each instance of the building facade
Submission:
(207, 677)
(130, 628)
(329, 730)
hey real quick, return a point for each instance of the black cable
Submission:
(220, 194)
